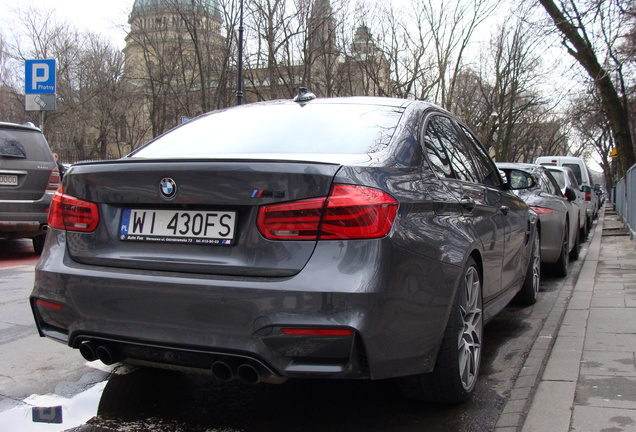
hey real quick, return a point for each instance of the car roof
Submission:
(522, 166)
(26, 126)
(558, 168)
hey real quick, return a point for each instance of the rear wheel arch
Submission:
(476, 256)
(456, 370)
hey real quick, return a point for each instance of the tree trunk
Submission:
(585, 55)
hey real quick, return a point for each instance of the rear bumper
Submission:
(20, 229)
(396, 316)
(22, 219)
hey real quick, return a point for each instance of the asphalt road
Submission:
(38, 373)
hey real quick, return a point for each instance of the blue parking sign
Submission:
(47, 415)
(39, 77)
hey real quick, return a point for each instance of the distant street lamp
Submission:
(239, 86)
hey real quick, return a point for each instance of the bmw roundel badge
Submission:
(168, 188)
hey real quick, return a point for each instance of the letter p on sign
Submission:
(40, 74)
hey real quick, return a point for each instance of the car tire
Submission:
(560, 267)
(574, 253)
(38, 244)
(529, 292)
(457, 366)
(583, 233)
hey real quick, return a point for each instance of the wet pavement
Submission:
(157, 400)
(582, 367)
(16, 253)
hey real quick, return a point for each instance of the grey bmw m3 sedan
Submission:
(357, 238)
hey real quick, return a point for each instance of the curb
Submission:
(516, 409)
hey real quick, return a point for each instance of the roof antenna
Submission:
(304, 95)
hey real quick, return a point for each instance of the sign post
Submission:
(40, 87)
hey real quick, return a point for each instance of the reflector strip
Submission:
(47, 304)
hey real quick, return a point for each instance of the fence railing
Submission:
(624, 199)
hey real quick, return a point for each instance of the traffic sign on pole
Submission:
(39, 76)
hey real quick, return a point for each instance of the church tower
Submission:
(169, 56)
(322, 52)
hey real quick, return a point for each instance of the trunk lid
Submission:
(222, 197)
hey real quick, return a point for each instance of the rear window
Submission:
(577, 171)
(280, 129)
(23, 144)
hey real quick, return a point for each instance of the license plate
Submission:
(169, 226)
(8, 180)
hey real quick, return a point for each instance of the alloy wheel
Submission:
(471, 334)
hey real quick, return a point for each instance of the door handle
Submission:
(504, 209)
(468, 203)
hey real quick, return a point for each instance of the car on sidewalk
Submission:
(28, 179)
(559, 216)
(361, 238)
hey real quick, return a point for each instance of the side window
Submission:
(543, 184)
(576, 169)
(446, 151)
(573, 180)
(484, 163)
(554, 186)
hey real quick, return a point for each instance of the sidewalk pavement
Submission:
(580, 374)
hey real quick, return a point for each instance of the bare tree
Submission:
(577, 21)
(451, 26)
(502, 100)
(512, 65)
(404, 43)
(592, 128)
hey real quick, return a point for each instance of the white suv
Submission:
(582, 174)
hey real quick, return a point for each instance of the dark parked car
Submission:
(559, 215)
(28, 179)
(361, 238)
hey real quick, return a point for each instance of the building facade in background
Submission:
(180, 61)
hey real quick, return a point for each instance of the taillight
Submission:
(54, 180)
(542, 210)
(73, 214)
(588, 196)
(349, 212)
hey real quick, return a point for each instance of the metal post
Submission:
(239, 87)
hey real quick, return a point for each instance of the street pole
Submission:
(239, 87)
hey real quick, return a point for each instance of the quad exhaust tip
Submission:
(223, 371)
(91, 352)
(245, 372)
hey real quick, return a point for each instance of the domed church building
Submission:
(181, 60)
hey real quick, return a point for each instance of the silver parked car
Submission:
(566, 179)
(28, 179)
(361, 238)
(559, 216)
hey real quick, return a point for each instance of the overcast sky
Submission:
(101, 16)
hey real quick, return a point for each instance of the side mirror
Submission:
(519, 179)
(570, 194)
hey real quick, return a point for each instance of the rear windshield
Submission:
(23, 144)
(280, 129)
